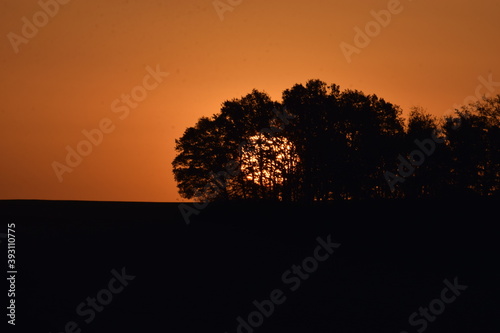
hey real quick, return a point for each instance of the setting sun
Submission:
(269, 161)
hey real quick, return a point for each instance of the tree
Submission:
(335, 148)
(236, 137)
(321, 143)
(473, 138)
(429, 178)
(344, 140)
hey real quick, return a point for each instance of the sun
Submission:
(269, 161)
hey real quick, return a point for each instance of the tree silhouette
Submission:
(427, 180)
(227, 141)
(474, 145)
(344, 139)
(321, 143)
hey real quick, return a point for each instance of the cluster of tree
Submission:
(321, 143)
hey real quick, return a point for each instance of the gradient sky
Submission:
(65, 78)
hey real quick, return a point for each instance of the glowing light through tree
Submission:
(270, 163)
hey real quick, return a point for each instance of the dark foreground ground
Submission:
(392, 262)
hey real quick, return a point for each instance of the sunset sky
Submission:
(71, 76)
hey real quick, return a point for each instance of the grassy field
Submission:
(388, 260)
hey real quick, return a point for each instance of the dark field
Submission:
(392, 261)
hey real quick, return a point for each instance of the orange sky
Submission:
(64, 77)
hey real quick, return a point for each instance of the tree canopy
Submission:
(321, 143)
